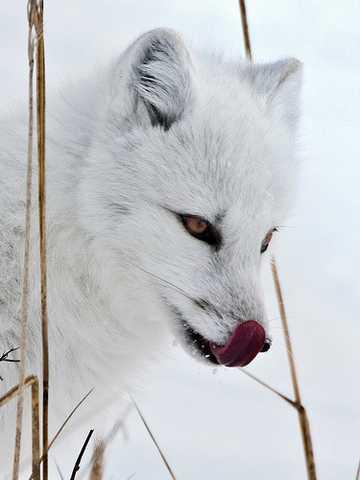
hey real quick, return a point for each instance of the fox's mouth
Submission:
(198, 344)
(243, 345)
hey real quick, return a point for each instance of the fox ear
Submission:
(157, 78)
(279, 84)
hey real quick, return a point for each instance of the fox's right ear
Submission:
(155, 76)
(279, 85)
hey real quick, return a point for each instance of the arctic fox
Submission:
(168, 173)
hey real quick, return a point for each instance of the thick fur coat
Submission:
(161, 133)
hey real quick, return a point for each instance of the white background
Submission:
(225, 426)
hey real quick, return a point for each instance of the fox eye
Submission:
(195, 225)
(201, 229)
(267, 240)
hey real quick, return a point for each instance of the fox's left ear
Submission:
(156, 79)
(279, 85)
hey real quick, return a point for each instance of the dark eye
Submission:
(267, 240)
(201, 229)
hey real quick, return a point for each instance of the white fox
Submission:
(168, 173)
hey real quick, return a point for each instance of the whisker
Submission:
(167, 282)
(200, 303)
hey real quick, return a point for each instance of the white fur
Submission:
(114, 176)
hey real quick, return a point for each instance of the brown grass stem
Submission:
(63, 425)
(269, 387)
(245, 29)
(43, 274)
(36, 16)
(303, 417)
(166, 463)
(14, 391)
(67, 419)
(97, 468)
(35, 429)
(81, 453)
(119, 425)
(24, 308)
(30, 381)
(357, 477)
(285, 326)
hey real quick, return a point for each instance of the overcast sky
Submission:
(224, 426)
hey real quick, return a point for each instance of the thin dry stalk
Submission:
(166, 463)
(245, 29)
(97, 468)
(67, 419)
(303, 418)
(285, 325)
(358, 472)
(119, 425)
(30, 381)
(82, 451)
(35, 428)
(269, 387)
(5, 356)
(63, 425)
(26, 264)
(14, 391)
(58, 469)
(36, 15)
(42, 213)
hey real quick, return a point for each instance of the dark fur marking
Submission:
(206, 306)
(157, 117)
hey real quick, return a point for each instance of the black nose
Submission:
(266, 345)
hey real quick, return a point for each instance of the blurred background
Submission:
(223, 425)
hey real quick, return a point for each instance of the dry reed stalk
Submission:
(43, 281)
(97, 468)
(245, 29)
(166, 463)
(119, 425)
(59, 471)
(358, 472)
(79, 458)
(30, 381)
(26, 263)
(67, 419)
(285, 326)
(36, 16)
(269, 387)
(14, 391)
(35, 429)
(297, 403)
(5, 356)
(62, 426)
(303, 418)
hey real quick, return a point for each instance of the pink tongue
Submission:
(244, 344)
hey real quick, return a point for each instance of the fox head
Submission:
(190, 174)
